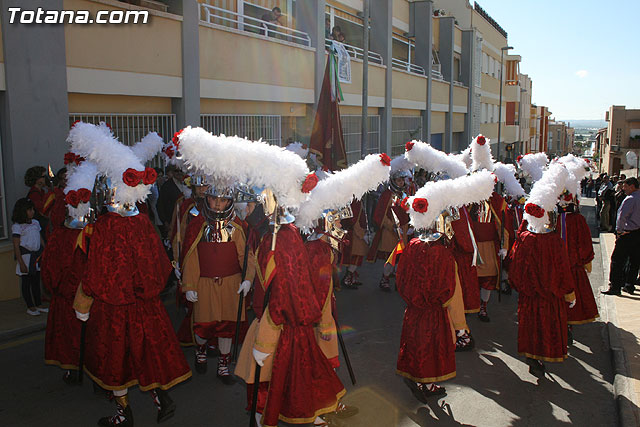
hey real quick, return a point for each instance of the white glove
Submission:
(572, 304)
(502, 253)
(192, 296)
(260, 356)
(82, 316)
(176, 271)
(245, 287)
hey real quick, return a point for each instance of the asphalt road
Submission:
(492, 387)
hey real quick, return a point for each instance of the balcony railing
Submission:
(218, 16)
(399, 64)
(436, 71)
(357, 53)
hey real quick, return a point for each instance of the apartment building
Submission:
(561, 138)
(539, 129)
(434, 74)
(621, 135)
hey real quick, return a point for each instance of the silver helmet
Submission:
(218, 190)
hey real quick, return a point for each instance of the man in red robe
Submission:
(297, 382)
(356, 247)
(426, 281)
(542, 276)
(62, 267)
(392, 223)
(129, 338)
(464, 250)
(574, 231)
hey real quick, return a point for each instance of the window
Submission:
(253, 127)
(403, 129)
(485, 63)
(351, 132)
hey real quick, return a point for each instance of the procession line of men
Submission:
(236, 249)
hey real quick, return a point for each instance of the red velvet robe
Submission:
(322, 268)
(129, 337)
(463, 253)
(542, 276)
(58, 211)
(62, 267)
(580, 250)
(303, 384)
(426, 279)
(358, 215)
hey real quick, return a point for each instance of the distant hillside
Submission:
(587, 123)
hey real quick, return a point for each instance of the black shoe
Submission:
(465, 342)
(570, 337)
(71, 378)
(123, 416)
(167, 407)
(630, 289)
(416, 390)
(433, 390)
(223, 370)
(345, 411)
(536, 368)
(611, 291)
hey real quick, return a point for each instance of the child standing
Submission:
(27, 247)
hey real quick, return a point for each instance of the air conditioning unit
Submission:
(615, 148)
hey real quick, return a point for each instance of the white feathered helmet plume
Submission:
(299, 148)
(427, 157)
(578, 169)
(506, 175)
(80, 181)
(544, 196)
(436, 196)
(339, 188)
(400, 164)
(148, 147)
(130, 180)
(533, 164)
(481, 154)
(256, 164)
(465, 157)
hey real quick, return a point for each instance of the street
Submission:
(492, 388)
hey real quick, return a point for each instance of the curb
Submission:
(167, 296)
(623, 391)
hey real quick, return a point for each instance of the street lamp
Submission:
(502, 49)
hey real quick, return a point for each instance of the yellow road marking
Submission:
(21, 341)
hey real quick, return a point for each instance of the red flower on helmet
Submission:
(420, 205)
(385, 159)
(409, 145)
(481, 140)
(69, 158)
(495, 177)
(84, 195)
(176, 138)
(309, 183)
(74, 123)
(568, 197)
(149, 176)
(79, 159)
(132, 177)
(404, 204)
(519, 158)
(534, 210)
(72, 198)
(169, 151)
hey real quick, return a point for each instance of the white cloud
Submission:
(582, 73)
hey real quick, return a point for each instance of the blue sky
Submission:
(583, 56)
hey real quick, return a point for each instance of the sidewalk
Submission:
(15, 322)
(622, 316)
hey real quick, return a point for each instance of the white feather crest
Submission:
(533, 164)
(400, 163)
(506, 175)
(110, 156)
(465, 157)
(81, 176)
(427, 157)
(457, 192)
(341, 187)
(578, 169)
(148, 147)
(253, 163)
(545, 193)
(481, 154)
(298, 148)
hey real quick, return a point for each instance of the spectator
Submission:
(627, 242)
(613, 207)
(590, 185)
(168, 194)
(27, 247)
(605, 196)
(36, 179)
(272, 17)
(338, 35)
(327, 28)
